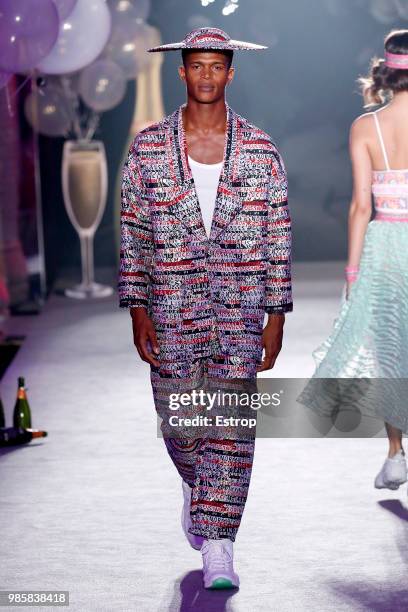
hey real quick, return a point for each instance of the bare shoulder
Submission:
(362, 127)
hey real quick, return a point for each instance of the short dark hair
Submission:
(383, 81)
(227, 52)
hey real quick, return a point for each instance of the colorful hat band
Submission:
(397, 61)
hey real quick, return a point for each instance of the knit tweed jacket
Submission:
(196, 288)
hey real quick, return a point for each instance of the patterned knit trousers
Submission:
(218, 469)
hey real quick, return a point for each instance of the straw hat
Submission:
(209, 39)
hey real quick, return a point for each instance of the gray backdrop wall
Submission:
(302, 91)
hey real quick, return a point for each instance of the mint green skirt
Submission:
(369, 339)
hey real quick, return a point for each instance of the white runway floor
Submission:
(94, 509)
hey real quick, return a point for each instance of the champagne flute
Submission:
(85, 186)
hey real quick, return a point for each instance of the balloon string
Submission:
(8, 100)
(10, 97)
(67, 91)
(92, 126)
(22, 85)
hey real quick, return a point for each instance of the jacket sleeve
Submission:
(136, 236)
(278, 297)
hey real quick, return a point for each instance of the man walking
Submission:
(205, 253)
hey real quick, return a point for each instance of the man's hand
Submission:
(143, 334)
(272, 341)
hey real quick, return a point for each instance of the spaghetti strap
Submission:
(381, 139)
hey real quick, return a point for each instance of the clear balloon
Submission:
(48, 111)
(65, 7)
(72, 78)
(102, 85)
(82, 37)
(138, 9)
(4, 78)
(142, 8)
(28, 31)
(128, 44)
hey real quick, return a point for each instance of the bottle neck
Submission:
(21, 394)
(36, 433)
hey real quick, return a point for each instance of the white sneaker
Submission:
(218, 571)
(195, 541)
(393, 473)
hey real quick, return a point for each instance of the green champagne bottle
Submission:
(22, 413)
(2, 417)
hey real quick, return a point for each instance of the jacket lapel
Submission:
(185, 205)
(228, 203)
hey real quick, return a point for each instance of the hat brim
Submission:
(231, 45)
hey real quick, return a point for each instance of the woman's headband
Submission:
(397, 61)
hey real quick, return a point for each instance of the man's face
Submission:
(206, 75)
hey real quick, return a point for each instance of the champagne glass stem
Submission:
(84, 258)
(90, 259)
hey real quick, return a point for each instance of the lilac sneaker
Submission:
(218, 570)
(393, 473)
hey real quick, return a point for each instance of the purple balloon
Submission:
(65, 7)
(28, 32)
(4, 78)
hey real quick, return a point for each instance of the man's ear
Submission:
(231, 73)
(182, 72)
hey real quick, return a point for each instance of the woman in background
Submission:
(370, 337)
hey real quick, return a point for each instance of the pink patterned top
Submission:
(390, 188)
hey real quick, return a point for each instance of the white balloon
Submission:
(128, 44)
(102, 85)
(48, 112)
(82, 37)
(64, 7)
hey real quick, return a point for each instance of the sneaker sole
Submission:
(392, 487)
(396, 483)
(221, 583)
(390, 484)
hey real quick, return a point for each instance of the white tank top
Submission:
(206, 178)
